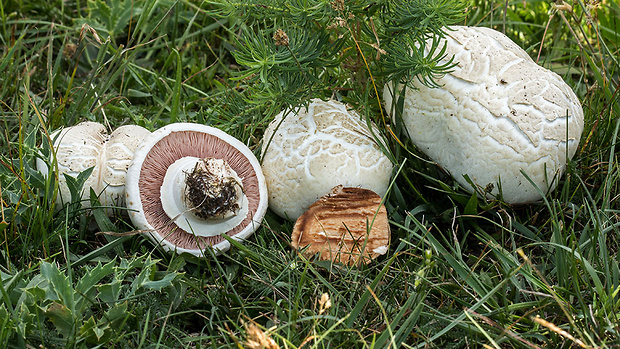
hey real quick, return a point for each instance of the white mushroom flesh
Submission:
(217, 178)
(496, 115)
(309, 151)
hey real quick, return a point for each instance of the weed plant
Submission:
(462, 271)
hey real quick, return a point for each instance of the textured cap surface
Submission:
(348, 226)
(309, 151)
(87, 145)
(117, 155)
(497, 114)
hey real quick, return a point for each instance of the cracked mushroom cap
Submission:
(496, 114)
(348, 225)
(309, 151)
(190, 184)
(87, 145)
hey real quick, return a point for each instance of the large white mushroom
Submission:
(496, 118)
(189, 185)
(87, 145)
(307, 152)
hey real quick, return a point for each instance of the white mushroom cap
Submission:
(176, 143)
(497, 114)
(87, 145)
(309, 151)
(119, 151)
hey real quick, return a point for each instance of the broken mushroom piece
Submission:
(348, 226)
(496, 118)
(190, 184)
(310, 150)
(87, 145)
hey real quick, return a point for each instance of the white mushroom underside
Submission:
(147, 171)
(174, 204)
(317, 149)
(497, 114)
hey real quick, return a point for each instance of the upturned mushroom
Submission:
(348, 226)
(189, 184)
(310, 150)
(87, 145)
(496, 118)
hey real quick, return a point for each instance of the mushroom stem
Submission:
(204, 196)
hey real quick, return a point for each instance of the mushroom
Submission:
(496, 118)
(190, 184)
(348, 225)
(87, 145)
(310, 150)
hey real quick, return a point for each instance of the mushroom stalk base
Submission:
(175, 203)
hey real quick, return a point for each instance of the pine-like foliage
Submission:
(296, 50)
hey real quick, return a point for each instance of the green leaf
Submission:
(112, 16)
(100, 251)
(105, 224)
(407, 60)
(93, 276)
(34, 295)
(159, 284)
(138, 94)
(110, 293)
(421, 17)
(25, 319)
(3, 225)
(8, 57)
(75, 184)
(116, 315)
(100, 214)
(367, 296)
(86, 287)
(472, 205)
(98, 332)
(100, 11)
(87, 327)
(176, 93)
(59, 284)
(62, 318)
(411, 309)
(143, 276)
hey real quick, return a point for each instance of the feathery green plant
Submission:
(293, 51)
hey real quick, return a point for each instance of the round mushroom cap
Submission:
(87, 145)
(497, 116)
(146, 175)
(309, 151)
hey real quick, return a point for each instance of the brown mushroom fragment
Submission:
(347, 226)
(190, 184)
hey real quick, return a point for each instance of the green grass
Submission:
(460, 273)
